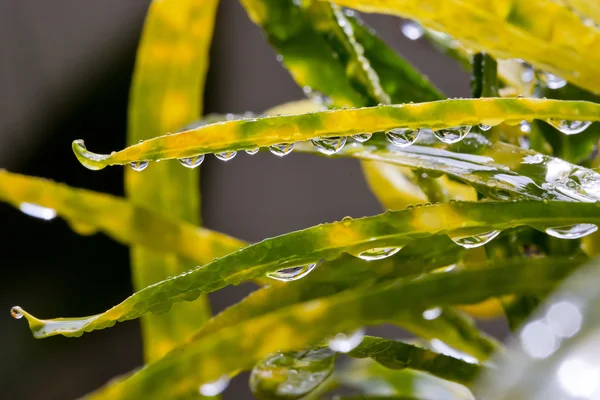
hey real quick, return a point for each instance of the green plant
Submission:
(494, 197)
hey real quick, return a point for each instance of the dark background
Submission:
(65, 70)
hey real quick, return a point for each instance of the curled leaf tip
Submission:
(60, 326)
(88, 159)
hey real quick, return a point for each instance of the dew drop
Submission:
(138, 165)
(37, 211)
(412, 30)
(252, 151)
(432, 313)
(344, 343)
(572, 231)
(214, 388)
(192, 162)
(362, 137)
(551, 81)
(485, 127)
(378, 253)
(292, 273)
(226, 156)
(452, 135)
(570, 127)
(402, 137)
(16, 312)
(472, 241)
(281, 149)
(329, 145)
(525, 126)
(527, 72)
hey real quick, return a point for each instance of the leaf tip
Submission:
(88, 159)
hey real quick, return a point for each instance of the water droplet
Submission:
(344, 343)
(214, 388)
(412, 30)
(226, 156)
(570, 127)
(572, 231)
(452, 135)
(378, 253)
(281, 149)
(37, 211)
(485, 127)
(472, 241)
(402, 137)
(551, 81)
(292, 273)
(527, 72)
(525, 126)
(432, 314)
(16, 312)
(192, 162)
(362, 137)
(252, 151)
(329, 145)
(291, 375)
(138, 165)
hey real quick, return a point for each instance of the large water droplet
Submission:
(452, 135)
(378, 253)
(572, 231)
(291, 375)
(551, 81)
(329, 145)
(252, 151)
(226, 156)
(344, 343)
(412, 30)
(37, 211)
(281, 149)
(292, 274)
(485, 127)
(472, 241)
(16, 312)
(362, 137)
(432, 313)
(192, 162)
(402, 137)
(138, 165)
(214, 388)
(569, 127)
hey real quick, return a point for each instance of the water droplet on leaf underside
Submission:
(344, 343)
(252, 151)
(572, 232)
(362, 137)
(214, 388)
(570, 127)
(452, 135)
(472, 241)
(16, 312)
(281, 149)
(138, 165)
(292, 273)
(192, 162)
(226, 156)
(378, 253)
(412, 30)
(551, 81)
(37, 211)
(402, 137)
(485, 127)
(330, 145)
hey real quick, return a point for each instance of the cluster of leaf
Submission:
(485, 217)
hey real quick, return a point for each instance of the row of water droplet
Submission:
(399, 137)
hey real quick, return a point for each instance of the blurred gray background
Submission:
(65, 70)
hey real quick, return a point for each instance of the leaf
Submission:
(166, 94)
(88, 212)
(587, 8)
(392, 229)
(537, 31)
(239, 346)
(398, 355)
(259, 132)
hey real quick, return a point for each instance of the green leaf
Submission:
(88, 212)
(291, 375)
(166, 94)
(259, 132)
(538, 31)
(387, 231)
(239, 346)
(398, 355)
